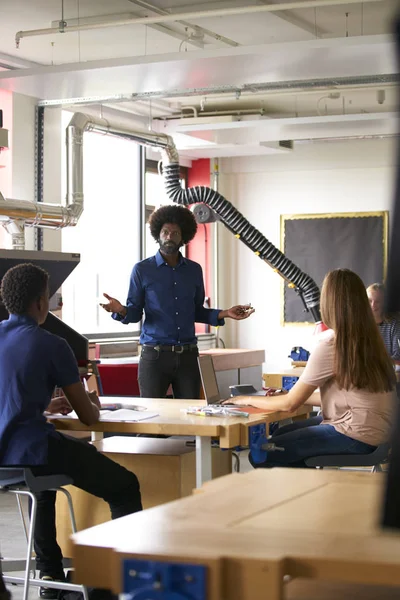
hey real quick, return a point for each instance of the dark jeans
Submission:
(307, 438)
(159, 369)
(91, 471)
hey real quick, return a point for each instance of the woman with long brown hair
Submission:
(355, 375)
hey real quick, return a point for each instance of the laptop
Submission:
(211, 390)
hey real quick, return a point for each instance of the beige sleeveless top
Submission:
(360, 414)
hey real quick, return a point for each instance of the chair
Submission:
(22, 482)
(374, 459)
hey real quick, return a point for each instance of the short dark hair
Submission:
(21, 286)
(179, 215)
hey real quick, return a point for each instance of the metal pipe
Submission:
(17, 231)
(208, 32)
(16, 214)
(155, 140)
(36, 214)
(213, 113)
(193, 108)
(223, 12)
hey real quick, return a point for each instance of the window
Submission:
(107, 235)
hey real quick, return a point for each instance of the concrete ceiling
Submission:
(250, 80)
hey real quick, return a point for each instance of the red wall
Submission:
(199, 249)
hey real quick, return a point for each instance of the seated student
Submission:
(388, 325)
(32, 362)
(354, 373)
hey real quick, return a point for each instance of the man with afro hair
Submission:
(169, 290)
(33, 362)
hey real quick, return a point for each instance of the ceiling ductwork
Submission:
(296, 85)
(170, 18)
(15, 214)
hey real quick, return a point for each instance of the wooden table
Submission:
(171, 420)
(226, 359)
(232, 366)
(275, 379)
(251, 530)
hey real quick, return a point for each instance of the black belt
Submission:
(177, 349)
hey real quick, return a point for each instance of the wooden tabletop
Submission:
(250, 530)
(225, 359)
(172, 420)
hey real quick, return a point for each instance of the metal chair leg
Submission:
(31, 530)
(377, 469)
(22, 516)
(236, 458)
(73, 526)
(70, 508)
(26, 580)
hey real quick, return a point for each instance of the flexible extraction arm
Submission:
(302, 283)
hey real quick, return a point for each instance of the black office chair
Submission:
(374, 459)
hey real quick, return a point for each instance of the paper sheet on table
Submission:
(122, 415)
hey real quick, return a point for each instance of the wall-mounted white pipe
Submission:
(223, 12)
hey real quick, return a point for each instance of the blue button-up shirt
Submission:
(171, 298)
(32, 362)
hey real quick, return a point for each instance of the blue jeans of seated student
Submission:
(307, 438)
(160, 369)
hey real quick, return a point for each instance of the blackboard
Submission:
(318, 243)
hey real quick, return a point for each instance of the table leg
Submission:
(203, 460)
(96, 436)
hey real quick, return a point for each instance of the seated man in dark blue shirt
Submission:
(389, 325)
(32, 363)
(169, 289)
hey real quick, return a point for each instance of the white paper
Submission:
(122, 415)
(126, 414)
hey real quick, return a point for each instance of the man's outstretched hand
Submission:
(239, 312)
(113, 305)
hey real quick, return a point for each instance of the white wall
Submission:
(23, 162)
(324, 177)
(23, 158)
(52, 171)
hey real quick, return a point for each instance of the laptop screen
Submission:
(208, 379)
